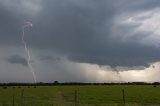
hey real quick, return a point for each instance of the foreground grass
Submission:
(86, 96)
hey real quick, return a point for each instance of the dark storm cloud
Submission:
(126, 55)
(49, 58)
(82, 31)
(16, 59)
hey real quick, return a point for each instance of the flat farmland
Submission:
(109, 95)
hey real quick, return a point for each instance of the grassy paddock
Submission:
(85, 96)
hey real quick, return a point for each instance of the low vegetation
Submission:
(109, 95)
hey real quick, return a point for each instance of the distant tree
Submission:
(56, 83)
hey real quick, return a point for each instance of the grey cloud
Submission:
(49, 58)
(75, 40)
(132, 57)
(17, 59)
(82, 31)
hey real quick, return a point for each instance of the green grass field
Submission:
(86, 96)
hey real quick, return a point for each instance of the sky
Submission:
(80, 40)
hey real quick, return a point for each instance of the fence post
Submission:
(32, 100)
(13, 101)
(75, 98)
(123, 94)
(21, 99)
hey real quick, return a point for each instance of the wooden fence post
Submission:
(123, 94)
(75, 98)
(13, 101)
(21, 98)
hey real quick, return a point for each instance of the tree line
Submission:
(56, 83)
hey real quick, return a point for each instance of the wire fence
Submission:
(61, 99)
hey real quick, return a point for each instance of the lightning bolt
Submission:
(28, 24)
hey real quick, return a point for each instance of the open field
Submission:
(85, 96)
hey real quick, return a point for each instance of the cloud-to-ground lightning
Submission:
(28, 24)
